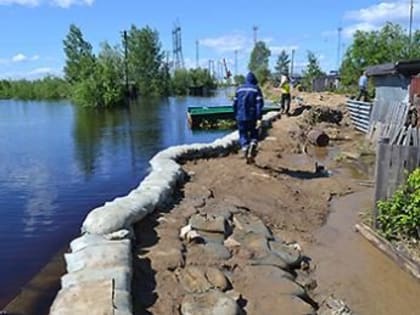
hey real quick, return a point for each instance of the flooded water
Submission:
(59, 161)
(355, 271)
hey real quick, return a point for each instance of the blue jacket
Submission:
(248, 102)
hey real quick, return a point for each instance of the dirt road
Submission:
(245, 226)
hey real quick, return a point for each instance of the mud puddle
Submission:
(352, 269)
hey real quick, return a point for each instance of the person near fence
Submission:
(285, 93)
(363, 87)
(247, 106)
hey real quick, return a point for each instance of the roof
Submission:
(406, 68)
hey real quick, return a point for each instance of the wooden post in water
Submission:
(381, 174)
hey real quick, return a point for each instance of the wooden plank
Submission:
(412, 162)
(402, 260)
(394, 171)
(381, 173)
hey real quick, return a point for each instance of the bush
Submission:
(399, 217)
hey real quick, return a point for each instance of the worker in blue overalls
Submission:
(247, 106)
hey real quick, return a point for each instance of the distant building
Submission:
(328, 82)
(394, 83)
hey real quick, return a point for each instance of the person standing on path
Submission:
(247, 107)
(363, 87)
(285, 94)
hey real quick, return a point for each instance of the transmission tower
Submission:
(339, 30)
(177, 47)
(236, 62)
(197, 54)
(255, 29)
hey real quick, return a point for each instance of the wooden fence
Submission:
(398, 154)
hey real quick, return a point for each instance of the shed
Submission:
(394, 84)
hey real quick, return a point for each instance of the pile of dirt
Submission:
(322, 114)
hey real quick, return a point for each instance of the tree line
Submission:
(100, 80)
(104, 79)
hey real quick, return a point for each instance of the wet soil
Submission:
(350, 267)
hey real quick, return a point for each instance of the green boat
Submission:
(198, 114)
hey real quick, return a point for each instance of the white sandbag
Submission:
(110, 218)
(90, 298)
(120, 275)
(88, 240)
(111, 254)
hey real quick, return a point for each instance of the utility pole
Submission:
(255, 29)
(292, 63)
(410, 28)
(236, 62)
(197, 54)
(125, 37)
(339, 30)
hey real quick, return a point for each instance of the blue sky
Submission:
(33, 30)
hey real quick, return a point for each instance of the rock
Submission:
(334, 306)
(265, 283)
(271, 260)
(256, 243)
(193, 280)
(166, 257)
(250, 223)
(231, 242)
(210, 237)
(206, 254)
(208, 223)
(287, 253)
(210, 303)
(217, 251)
(217, 278)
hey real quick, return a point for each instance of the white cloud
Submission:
(28, 3)
(41, 71)
(397, 11)
(69, 3)
(226, 43)
(276, 50)
(58, 3)
(19, 58)
(375, 16)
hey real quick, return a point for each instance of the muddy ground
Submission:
(281, 191)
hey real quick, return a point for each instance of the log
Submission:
(318, 137)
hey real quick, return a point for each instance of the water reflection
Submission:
(60, 161)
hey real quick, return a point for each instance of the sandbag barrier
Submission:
(99, 266)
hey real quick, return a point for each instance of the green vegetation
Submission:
(48, 88)
(399, 217)
(282, 64)
(259, 62)
(389, 44)
(312, 71)
(100, 80)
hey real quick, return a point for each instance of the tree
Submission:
(312, 71)
(181, 82)
(239, 79)
(145, 59)
(389, 44)
(104, 86)
(259, 61)
(282, 65)
(79, 57)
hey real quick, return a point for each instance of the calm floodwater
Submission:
(58, 161)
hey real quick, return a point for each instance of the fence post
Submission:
(381, 175)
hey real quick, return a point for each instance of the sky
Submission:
(33, 30)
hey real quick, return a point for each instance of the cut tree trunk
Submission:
(318, 137)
